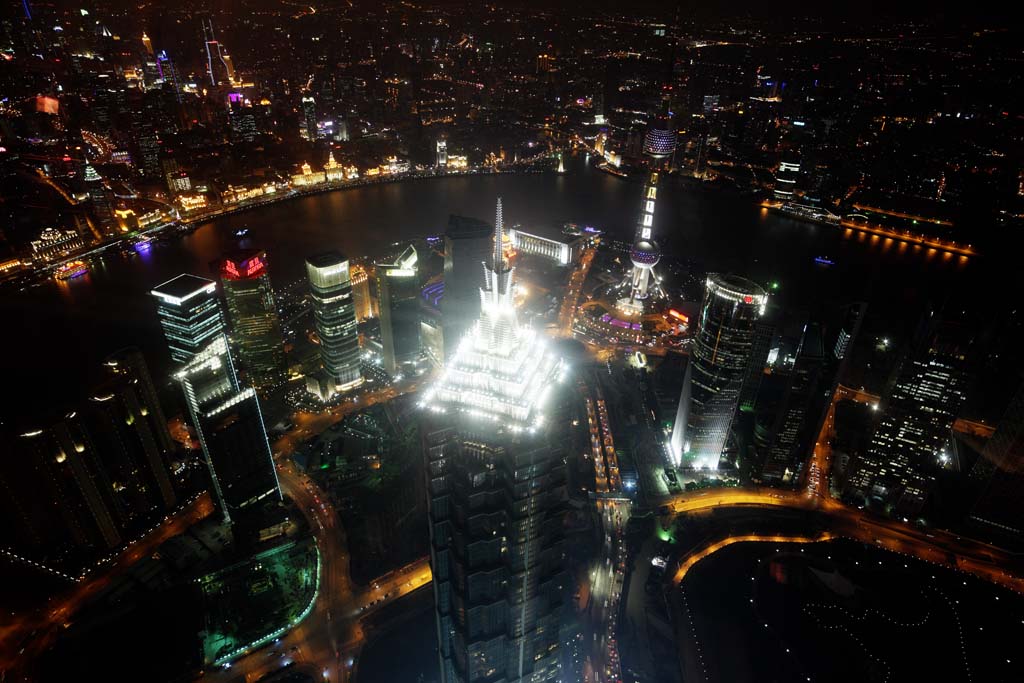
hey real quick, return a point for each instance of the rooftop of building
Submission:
(182, 287)
(326, 259)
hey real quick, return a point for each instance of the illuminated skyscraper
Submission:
(467, 245)
(442, 153)
(219, 69)
(398, 286)
(101, 204)
(335, 318)
(644, 255)
(229, 425)
(366, 305)
(252, 313)
(309, 117)
(719, 354)
(786, 177)
(496, 492)
(189, 314)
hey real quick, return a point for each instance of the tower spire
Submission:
(498, 229)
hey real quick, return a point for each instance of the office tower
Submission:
(398, 286)
(496, 491)
(764, 334)
(792, 433)
(97, 190)
(785, 180)
(309, 117)
(366, 305)
(241, 119)
(719, 357)
(644, 255)
(467, 245)
(999, 510)
(335, 319)
(229, 425)
(218, 65)
(189, 314)
(442, 153)
(252, 315)
(910, 443)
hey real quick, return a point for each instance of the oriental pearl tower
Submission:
(644, 255)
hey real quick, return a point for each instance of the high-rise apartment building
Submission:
(252, 314)
(189, 314)
(719, 357)
(335, 320)
(496, 495)
(81, 482)
(398, 286)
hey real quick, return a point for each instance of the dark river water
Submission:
(56, 332)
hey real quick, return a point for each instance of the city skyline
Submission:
(510, 343)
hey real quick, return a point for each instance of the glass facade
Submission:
(335, 317)
(230, 427)
(398, 285)
(252, 312)
(720, 353)
(189, 314)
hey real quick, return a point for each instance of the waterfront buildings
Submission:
(786, 177)
(467, 244)
(189, 314)
(496, 494)
(563, 250)
(911, 442)
(398, 286)
(335, 320)
(252, 313)
(719, 357)
(644, 255)
(229, 425)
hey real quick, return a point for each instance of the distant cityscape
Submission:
(712, 371)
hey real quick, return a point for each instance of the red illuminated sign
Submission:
(747, 299)
(243, 269)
